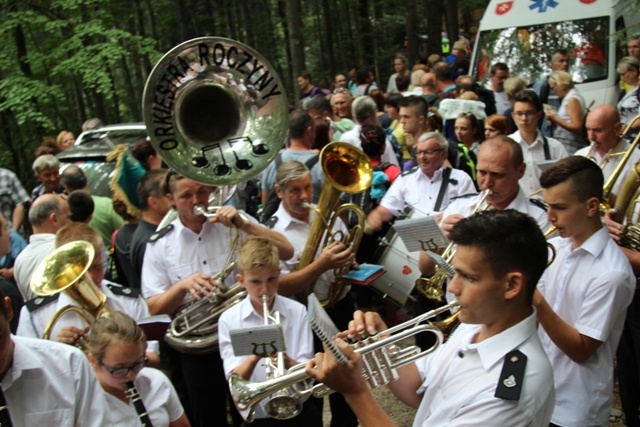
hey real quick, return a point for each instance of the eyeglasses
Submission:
(125, 370)
(427, 152)
(524, 113)
(340, 90)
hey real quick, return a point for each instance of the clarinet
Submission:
(5, 417)
(139, 405)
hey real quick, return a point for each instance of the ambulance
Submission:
(524, 34)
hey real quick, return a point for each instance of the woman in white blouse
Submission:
(116, 350)
(629, 102)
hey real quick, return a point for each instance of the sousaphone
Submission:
(217, 113)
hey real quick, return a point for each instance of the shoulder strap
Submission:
(545, 146)
(443, 188)
(311, 161)
(278, 160)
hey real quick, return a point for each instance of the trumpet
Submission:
(379, 353)
(282, 405)
(431, 287)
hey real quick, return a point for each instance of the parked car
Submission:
(91, 149)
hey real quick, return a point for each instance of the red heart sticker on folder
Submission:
(406, 270)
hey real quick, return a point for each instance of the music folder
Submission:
(155, 327)
(421, 233)
(365, 275)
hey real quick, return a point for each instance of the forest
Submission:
(68, 60)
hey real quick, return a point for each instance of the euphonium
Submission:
(608, 185)
(380, 354)
(346, 169)
(625, 207)
(66, 270)
(432, 287)
(215, 112)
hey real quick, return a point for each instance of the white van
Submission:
(524, 34)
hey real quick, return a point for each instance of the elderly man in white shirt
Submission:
(427, 188)
(536, 148)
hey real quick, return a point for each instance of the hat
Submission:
(127, 174)
(460, 45)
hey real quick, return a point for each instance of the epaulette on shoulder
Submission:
(160, 233)
(511, 377)
(464, 196)
(271, 222)
(39, 302)
(124, 291)
(410, 171)
(539, 203)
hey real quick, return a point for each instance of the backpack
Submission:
(273, 202)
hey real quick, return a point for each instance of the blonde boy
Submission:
(258, 266)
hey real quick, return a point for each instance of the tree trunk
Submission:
(296, 41)
(451, 12)
(411, 33)
(433, 12)
(328, 29)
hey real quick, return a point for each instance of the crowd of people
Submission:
(502, 165)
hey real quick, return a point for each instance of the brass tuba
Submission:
(65, 270)
(608, 185)
(217, 113)
(346, 169)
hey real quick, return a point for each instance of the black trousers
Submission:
(628, 355)
(341, 413)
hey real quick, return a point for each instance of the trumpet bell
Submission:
(215, 110)
(347, 169)
(283, 406)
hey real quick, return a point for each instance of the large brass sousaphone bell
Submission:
(215, 111)
(66, 270)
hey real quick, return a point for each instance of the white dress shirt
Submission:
(533, 154)
(460, 380)
(51, 384)
(181, 253)
(40, 245)
(297, 232)
(465, 205)
(589, 288)
(158, 395)
(611, 159)
(297, 334)
(416, 189)
(353, 137)
(33, 323)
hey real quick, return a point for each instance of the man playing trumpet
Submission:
(493, 370)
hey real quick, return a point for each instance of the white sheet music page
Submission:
(415, 231)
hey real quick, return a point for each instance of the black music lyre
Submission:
(428, 245)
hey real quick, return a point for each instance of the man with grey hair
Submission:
(293, 219)
(364, 111)
(47, 215)
(47, 170)
(91, 124)
(427, 188)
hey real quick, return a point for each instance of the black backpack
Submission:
(273, 202)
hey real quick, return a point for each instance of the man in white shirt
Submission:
(179, 263)
(47, 383)
(47, 215)
(606, 147)
(493, 370)
(583, 295)
(427, 188)
(527, 112)
(294, 219)
(498, 73)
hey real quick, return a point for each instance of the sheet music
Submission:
(417, 230)
(323, 327)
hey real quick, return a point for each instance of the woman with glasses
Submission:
(136, 395)
(568, 121)
(629, 102)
